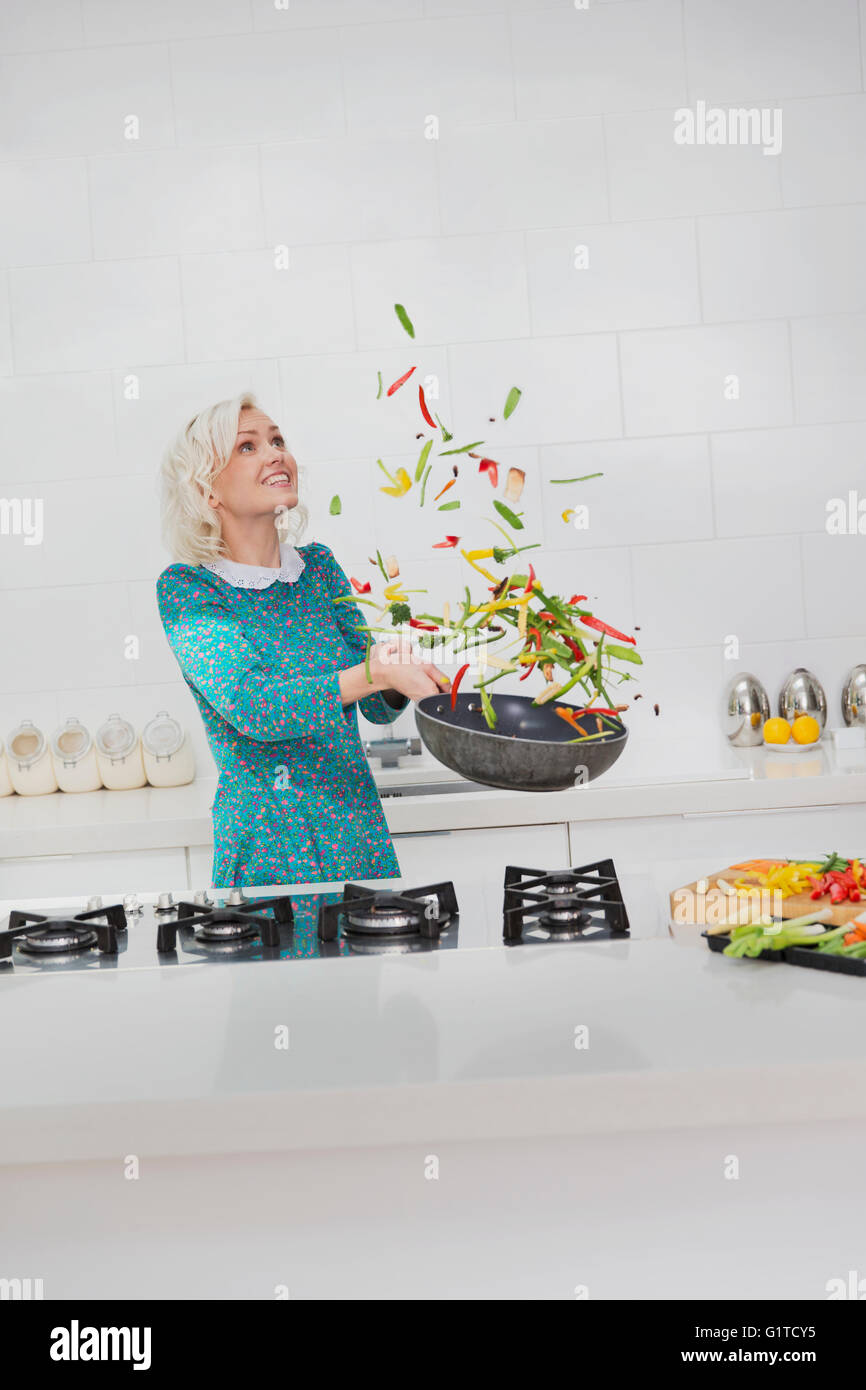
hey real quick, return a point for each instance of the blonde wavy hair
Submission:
(198, 454)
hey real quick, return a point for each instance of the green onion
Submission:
(424, 485)
(463, 447)
(424, 455)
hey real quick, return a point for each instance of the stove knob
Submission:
(131, 903)
(201, 899)
(165, 902)
(93, 903)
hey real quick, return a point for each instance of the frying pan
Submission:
(529, 749)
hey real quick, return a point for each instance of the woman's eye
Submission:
(248, 444)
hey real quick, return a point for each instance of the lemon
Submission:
(777, 731)
(805, 729)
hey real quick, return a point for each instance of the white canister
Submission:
(6, 787)
(28, 756)
(74, 757)
(167, 753)
(118, 755)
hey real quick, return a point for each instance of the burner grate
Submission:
(219, 926)
(419, 913)
(579, 904)
(37, 934)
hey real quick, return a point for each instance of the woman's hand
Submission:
(395, 665)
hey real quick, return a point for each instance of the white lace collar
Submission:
(259, 576)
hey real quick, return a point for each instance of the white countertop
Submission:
(450, 1045)
(653, 777)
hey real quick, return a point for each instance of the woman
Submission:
(275, 665)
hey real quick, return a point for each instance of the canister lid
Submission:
(163, 736)
(116, 737)
(71, 742)
(26, 744)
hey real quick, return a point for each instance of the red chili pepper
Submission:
(574, 649)
(531, 667)
(530, 580)
(423, 404)
(456, 683)
(548, 617)
(395, 385)
(491, 468)
(838, 894)
(854, 895)
(577, 598)
(425, 627)
(359, 587)
(605, 627)
(448, 542)
(600, 709)
(533, 632)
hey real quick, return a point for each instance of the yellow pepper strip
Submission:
(395, 592)
(404, 482)
(568, 514)
(856, 872)
(501, 603)
(486, 573)
(478, 554)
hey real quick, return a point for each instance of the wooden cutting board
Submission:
(691, 908)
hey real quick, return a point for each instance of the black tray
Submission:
(805, 956)
(819, 960)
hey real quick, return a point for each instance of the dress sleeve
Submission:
(215, 657)
(377, 708)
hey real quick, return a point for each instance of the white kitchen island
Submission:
(433, 1130)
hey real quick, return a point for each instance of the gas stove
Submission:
(533, 907)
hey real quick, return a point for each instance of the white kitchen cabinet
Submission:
(54, 875)
(433, 855)
(200, 858)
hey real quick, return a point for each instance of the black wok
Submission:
(529, 749)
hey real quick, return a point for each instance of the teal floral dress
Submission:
(295, 801)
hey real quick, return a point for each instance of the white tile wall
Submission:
(823, 157)
(153, 157)
(764, 50)
(624, 275)
(829, 366)
(770, 264)
(727, 378)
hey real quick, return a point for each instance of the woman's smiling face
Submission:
(261, 475)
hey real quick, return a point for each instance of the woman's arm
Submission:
(377, 703)
(228, 671)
